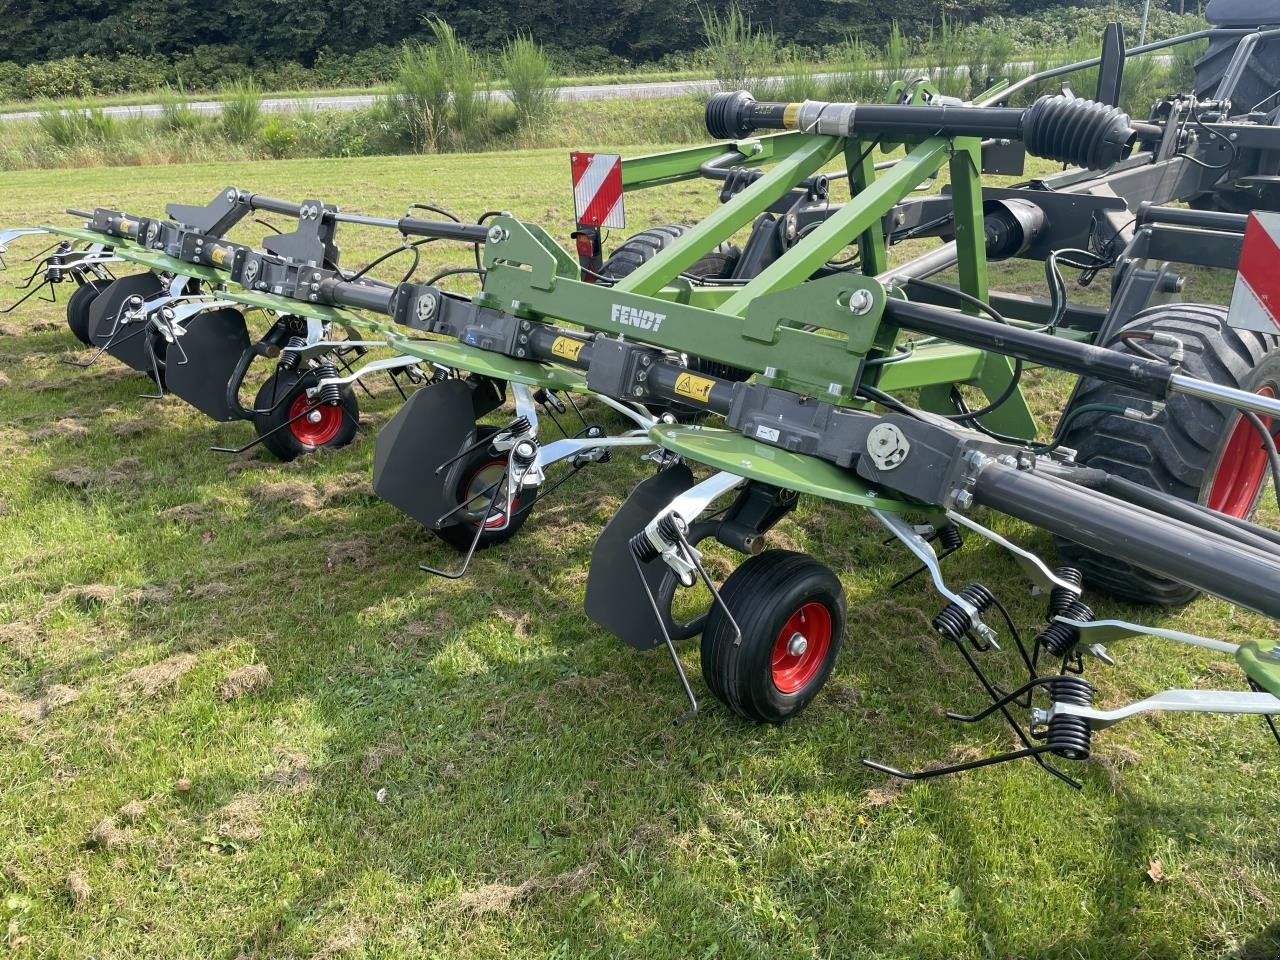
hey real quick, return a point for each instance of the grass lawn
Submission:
(424, 768)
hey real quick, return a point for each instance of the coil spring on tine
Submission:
(330, 394)
(644, 549)
(1058, 639)
(289, 355)
(1060, 597)
(954, 621)
(949, 538)
(1070, 737)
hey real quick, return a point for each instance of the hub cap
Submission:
(1243, 467)
(316, 428)
(801, 647)
(483, 479)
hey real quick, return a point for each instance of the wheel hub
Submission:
(1242, 469)
(314, 427)
(801, 647)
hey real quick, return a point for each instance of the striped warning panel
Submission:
(1255, 304)
(597, 189)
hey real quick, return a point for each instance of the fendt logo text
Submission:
(635, 317)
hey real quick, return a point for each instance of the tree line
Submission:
(300, 31)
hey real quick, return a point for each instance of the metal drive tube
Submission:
(359, 296)
(1183, 217)
(1217, 564)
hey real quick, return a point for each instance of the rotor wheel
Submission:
(791, 613)
(1193, 449)
(288, 429)
(477, 474)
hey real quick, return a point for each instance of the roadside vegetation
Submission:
(437, 98)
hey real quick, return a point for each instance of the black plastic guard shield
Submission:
(127, 344)
(616, 598)
(437, 423)
(213, 344)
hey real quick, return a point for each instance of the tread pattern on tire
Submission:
(749, 593)
(642, 247)
(1174, 452)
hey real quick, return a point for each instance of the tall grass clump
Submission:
(897, 56)
(241, 111)
(739, 55)
(853, 77)
(464, 77)
(986, 60)
(944, 51)
(799, 80)
(176, 115)
(76, 128)
(420, 103)
(531, 81)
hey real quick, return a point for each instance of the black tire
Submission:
(476, 472)
(282, 397)
(639, 249)
(78, 307)
(775, 592)
(1181, 450)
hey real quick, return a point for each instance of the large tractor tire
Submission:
(1194, 450)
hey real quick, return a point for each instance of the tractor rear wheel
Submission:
(1194, 450)
(637, 250)
(78, 307)
(791, 612)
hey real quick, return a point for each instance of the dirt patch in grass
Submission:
(391, 747)
(501, 898)
(241, 681)
(131, 428)
(197, 513)
(356, 552)
(293, 771)
(54, 698)
(62, 428)
(211, 590)
(156, 678)
(132, 811)
(299, 493)
(107, 835)
(240, 819)
(82, 477)
(78, 890)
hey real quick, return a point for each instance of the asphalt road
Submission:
(610, 91)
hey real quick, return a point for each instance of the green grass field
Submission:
(424, 768)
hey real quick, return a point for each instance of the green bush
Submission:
(75, 128)
(464, 74)
(279, 137)
(241, 110)
(530, 80)
(420, 105)
(176, 114)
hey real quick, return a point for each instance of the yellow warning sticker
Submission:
(695, 388)
(218, 255)
(789, 114)
(567, 347)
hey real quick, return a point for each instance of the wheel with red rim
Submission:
(1192, 449)
(290, 422)
(791, 612)
(479, 479)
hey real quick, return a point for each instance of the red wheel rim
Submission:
(801, 647)
(309, 429)
(481, 480)
(1242, 469)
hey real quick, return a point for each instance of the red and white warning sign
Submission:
(597, 189)
(1255, 304)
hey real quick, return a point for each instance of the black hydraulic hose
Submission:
(1222, 565)
(1083, 359)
